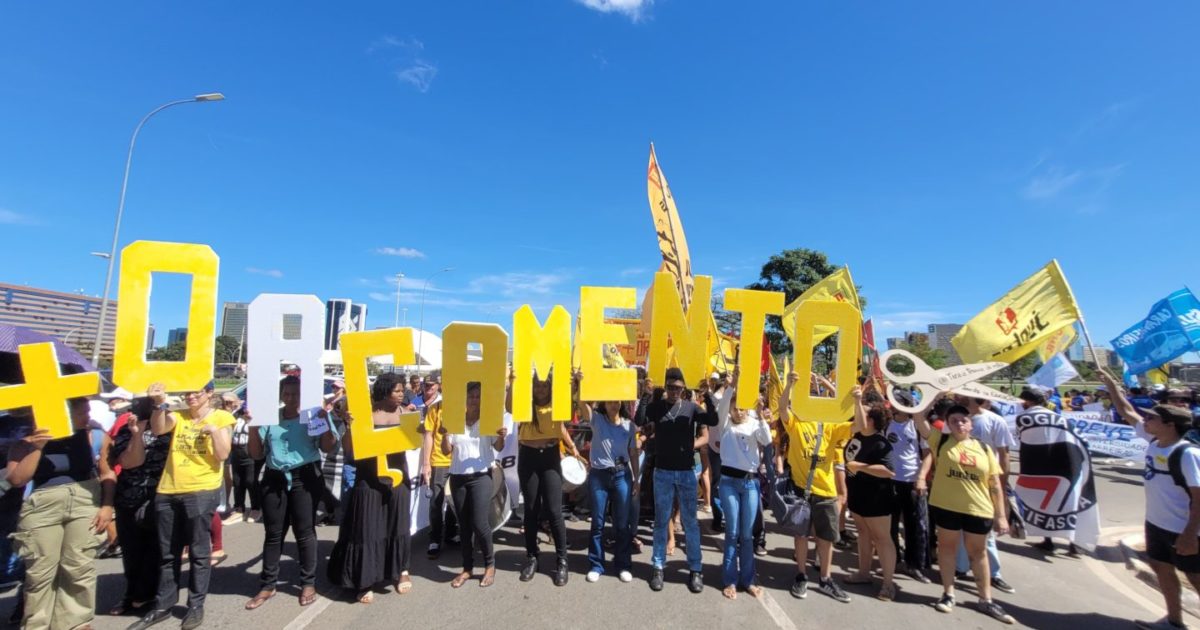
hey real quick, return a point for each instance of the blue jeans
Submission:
(739, 500)
(962, 563)
(605, 484)
(669, 485)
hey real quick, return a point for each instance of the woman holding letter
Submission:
(870, 495)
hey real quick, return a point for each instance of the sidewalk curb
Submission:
(1133, 548)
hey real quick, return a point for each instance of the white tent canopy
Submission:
(427, 347)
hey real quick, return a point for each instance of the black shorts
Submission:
(957, 521)
(1160, 545)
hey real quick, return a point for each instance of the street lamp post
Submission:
(112, 255)
(421, 328)
(396, 323)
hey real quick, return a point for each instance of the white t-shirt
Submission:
(1167, 504)
(991, 429)
(906, 450)
(740, 444)
(471, 453)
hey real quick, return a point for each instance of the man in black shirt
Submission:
(673, 421)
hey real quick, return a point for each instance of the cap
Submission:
(1175, 392)
(1168, 413)
(714, 376)
(339, 383)
(118, 393)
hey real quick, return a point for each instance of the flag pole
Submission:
(1087, 337)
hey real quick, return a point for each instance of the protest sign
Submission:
(754, 307)
(600, 382)
(264, 324)
(367, 441)
(687, 332)
(540, 348)
(46, 390)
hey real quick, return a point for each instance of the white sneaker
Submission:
(626, 577)
(593, 576)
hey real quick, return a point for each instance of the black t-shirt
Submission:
(870, 450)
(675, 426)
(136, 486)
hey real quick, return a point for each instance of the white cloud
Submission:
(516, 284)
(270, 273)
(403, 54)
(403, 252)
(1051, 183)
(419, 74)
(1083, 187)
(633, 9)
(632, 271)
(8, 217)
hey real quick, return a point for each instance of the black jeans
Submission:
(140, 554)
(472, 495)
(185, 520)
(245, 478)
(540, 472)
(911, 509)
(442, 523)
(296, 507)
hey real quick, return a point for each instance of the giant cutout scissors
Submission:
(959, 379)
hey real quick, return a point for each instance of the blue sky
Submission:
(945, 151)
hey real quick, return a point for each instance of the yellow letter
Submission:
(458, 370)
(754, 307)
(541, 347)
(689, 336)
(366, 440)
(46, 390)
(139, 259)
(600, 383)
(848, 321)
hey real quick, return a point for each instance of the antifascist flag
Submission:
(1056, 492)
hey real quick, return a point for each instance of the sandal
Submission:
(217, 559)
(460, 579)
(754, 591)
(366, 597)
(404, 584)
(308, 595)
(857, 578)
(730, 592)
(122, 609)
(489, 577)
(887, 593)
(260, 599)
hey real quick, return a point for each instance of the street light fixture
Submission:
(396, 323)
(421, 328)
(112, 255)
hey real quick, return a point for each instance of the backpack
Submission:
(1175, 462)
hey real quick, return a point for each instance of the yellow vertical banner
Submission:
(687, 333)
(367, 441)
(46, 390)
(540, 348)
(667, 225)
(599, 382)
(139, 260)
(754, 307)
(836, 287)
(458, 370)
(847, 321)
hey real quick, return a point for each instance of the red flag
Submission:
(868, 334)
(766, 355)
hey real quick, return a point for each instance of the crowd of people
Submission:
(922, 490)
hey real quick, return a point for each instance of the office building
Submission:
(894, 342)
(342, 315)
(233, 319)
(176, 335)
(71, 317)
(150, 337)
(939, 339)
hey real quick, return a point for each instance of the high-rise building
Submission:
(939, 339)
(342, 315)
(150, 337)
(233, 319)
(176, 335)
(894, 342)
(71, 317)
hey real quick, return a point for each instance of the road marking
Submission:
(307, 617)
(1105, 573)
(776, 611)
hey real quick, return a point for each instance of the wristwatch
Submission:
(164, 407)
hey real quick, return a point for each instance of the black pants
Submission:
(185, 520)
(911, 510)
(295, 507)
(540, 472)
(140, 554)
(442, 524)
(245, 479)
(472, 495)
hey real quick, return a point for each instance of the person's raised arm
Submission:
(640, 418)
(723, 409)
(498, 443)
(921, 419)
(860, 413)
(785, 398)
(1116, 394)
(25, 456)
(222, 440)
(161, 422)
(584, 409)
(512, 376)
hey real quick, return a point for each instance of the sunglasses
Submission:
(674, 388)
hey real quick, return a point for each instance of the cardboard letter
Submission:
(754, 307)
(46, 390)
(541, 348)
(688, 334)
(365, 439)
(458, 370)
(264, 327)
(139, 259)
(848, 321)
(600, 383)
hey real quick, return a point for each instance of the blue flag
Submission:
(1170, 330)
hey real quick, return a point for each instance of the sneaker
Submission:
(1161, 624)
(999, 584)
(626, 577)
(848, 535)
(830, 588)
(435, 550)
(593, 576)
(760, 549)
(917, 575)
(945, 604)
(842, 544)
(255, 516)
(696, 582)
(193, 619)
(993, 610)
(234, 517)
(656, 579)
(1072, 551)
(800, 587)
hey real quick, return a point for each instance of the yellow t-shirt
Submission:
(191, 464)
(433, 422)
(802, 440)
(542, 427)
(961, 480)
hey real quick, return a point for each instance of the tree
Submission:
(173, 352)
(728, 322)
(227, 350)
(1020, 369)
(794, 271)
(933, 357)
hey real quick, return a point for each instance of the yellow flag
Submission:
(1056, 343)
(669, 228)
(1159, 375)
(1019, 322)
(839, 287)
(722, 350)
(774, 386)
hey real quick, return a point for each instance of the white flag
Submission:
(1055, 372)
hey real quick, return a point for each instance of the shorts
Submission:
(824, 518)
(871, 500)
(957, 521)
(1160, 545)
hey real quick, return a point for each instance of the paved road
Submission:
(1056, 592)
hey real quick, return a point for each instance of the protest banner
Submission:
(1170, 330)
(1108, 438)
